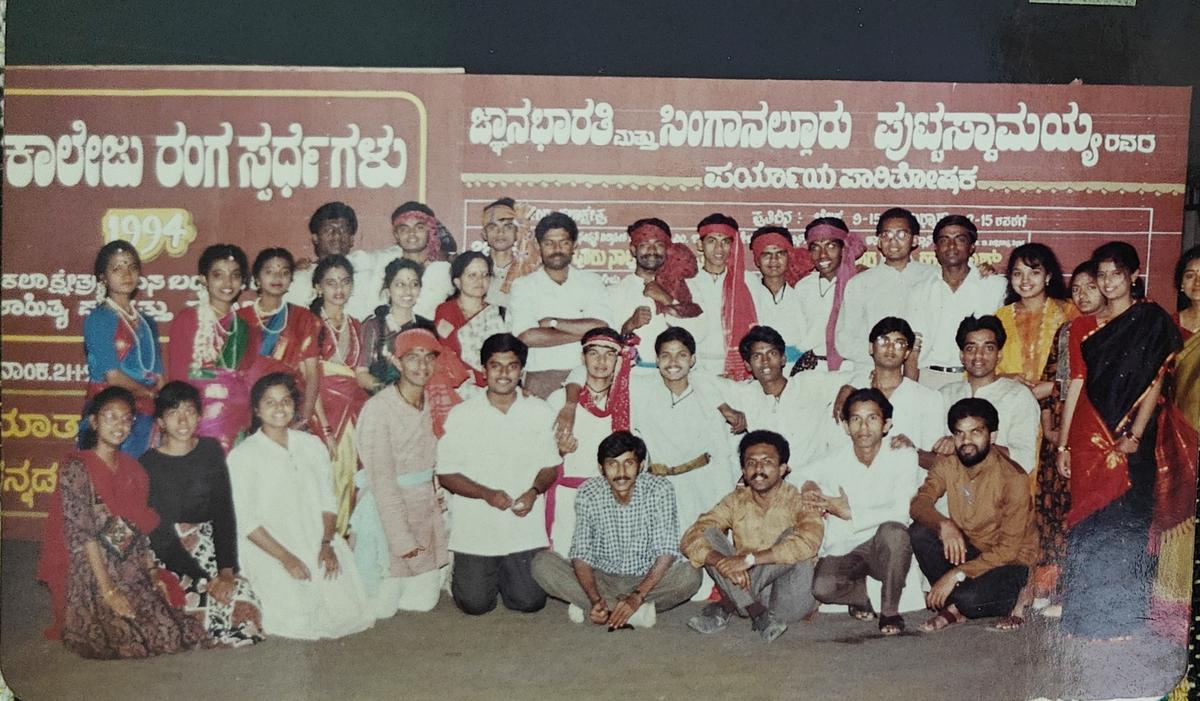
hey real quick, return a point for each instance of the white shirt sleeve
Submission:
(1025, 416)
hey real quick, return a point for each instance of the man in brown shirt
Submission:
(766, 572)
(978, 558)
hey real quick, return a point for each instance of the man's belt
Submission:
(657, 468)
(941, 368)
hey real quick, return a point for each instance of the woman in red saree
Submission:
(1122, 498)
(340, 397)
(209, 344)
(466, 320)
(107, 595)
(283, 336)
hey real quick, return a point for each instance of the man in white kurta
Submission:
(982, 340)
(884, 289)
(866, 487)
(938, 305)
(676, 412)
(333, 227)
(415, 229)
(285, 492)
(799, 408)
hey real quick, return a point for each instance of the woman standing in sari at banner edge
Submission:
(121, 343)
(1052, 498)
(1108, 452)
(283, 336)
(108, 597)
(466, 320)
(339, 350)
(209, 343)
(1178, 447)
(1036, 307)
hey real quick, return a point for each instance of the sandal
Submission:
(861, 613)
(891, 625)
(943, 619)
(1008, 623)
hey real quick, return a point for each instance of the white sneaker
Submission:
(575, 614)
(644, 617)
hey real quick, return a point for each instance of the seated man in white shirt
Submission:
(865, 489)
(918, 412)
(981, 340)
(776, 303)
(799, 408)
(884, 289)
(333, 227)
(944, 300)
(418, 238)
(624, 561)
(496, 456)
(553, 307)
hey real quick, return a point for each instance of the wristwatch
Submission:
(750, 560)
(553, 323)
(959, 577)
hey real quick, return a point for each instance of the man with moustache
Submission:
(781, 265)
(980, 341)
(977, 556)
(865, 489)
(765, 572)
(333, 227)
(800, 408)
(938, 305)
(883, 290)
(656, 295)
(499, 522)
(553, 307)
(623, 565)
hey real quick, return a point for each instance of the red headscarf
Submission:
(448, 373)
(799, 261)
(678, 266)
(853, 246)
(737, 306)
(433, 248)
(618, 393)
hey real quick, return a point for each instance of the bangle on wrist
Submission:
(1064, 449)
(327, 541)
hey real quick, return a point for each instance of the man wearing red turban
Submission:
(780, 266)
(833, 248)
(721, 291)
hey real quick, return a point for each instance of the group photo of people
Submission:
(750, 420)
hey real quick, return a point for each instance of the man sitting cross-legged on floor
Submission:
(766, 572)
(865, 487)
(978, 557)
(624, 564)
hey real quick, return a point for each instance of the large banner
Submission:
(176, 159)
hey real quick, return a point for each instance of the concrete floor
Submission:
(503, 655)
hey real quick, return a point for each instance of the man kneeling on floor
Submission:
(623, 564)
(978, 558)
(865, 487)
(766, 572)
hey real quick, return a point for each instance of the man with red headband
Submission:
(833, 248)
(656, 295)
(511, 246)
(601, 408)
(551, 309)
(417, 233)
(780, 266)
(722, 292)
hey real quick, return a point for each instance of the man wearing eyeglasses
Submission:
(883, 290)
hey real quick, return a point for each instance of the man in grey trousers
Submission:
(624, 558)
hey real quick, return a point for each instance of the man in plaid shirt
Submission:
(624, 561)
